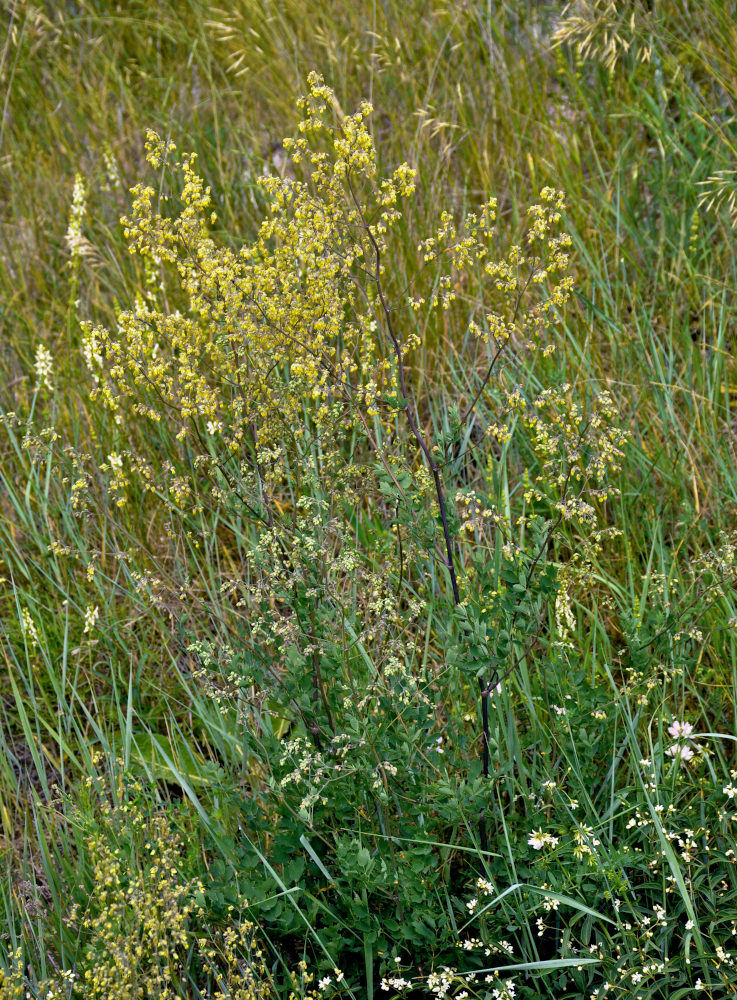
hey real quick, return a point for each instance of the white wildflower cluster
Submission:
(506, 991)
(440, 983)
(43, 366)
(28, 627)
(77, 214)
(448, 983)
(725, 958)
(476, 944)
(395, 983)
(90, 618)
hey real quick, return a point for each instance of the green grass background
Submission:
(482, 101)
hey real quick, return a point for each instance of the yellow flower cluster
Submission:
(273, 327)
(301, 334)
(137, 927)
(238, 964)
(141, 920)
(12, 980)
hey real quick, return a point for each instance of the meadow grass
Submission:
(630, 109)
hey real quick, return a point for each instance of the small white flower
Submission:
(324, 983)
(689, 925)
(681, 750)
(398, 983)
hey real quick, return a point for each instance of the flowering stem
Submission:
(429, 458)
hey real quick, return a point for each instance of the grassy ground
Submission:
(634, 115)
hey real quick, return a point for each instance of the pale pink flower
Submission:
(680, 730)
(538, 840)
